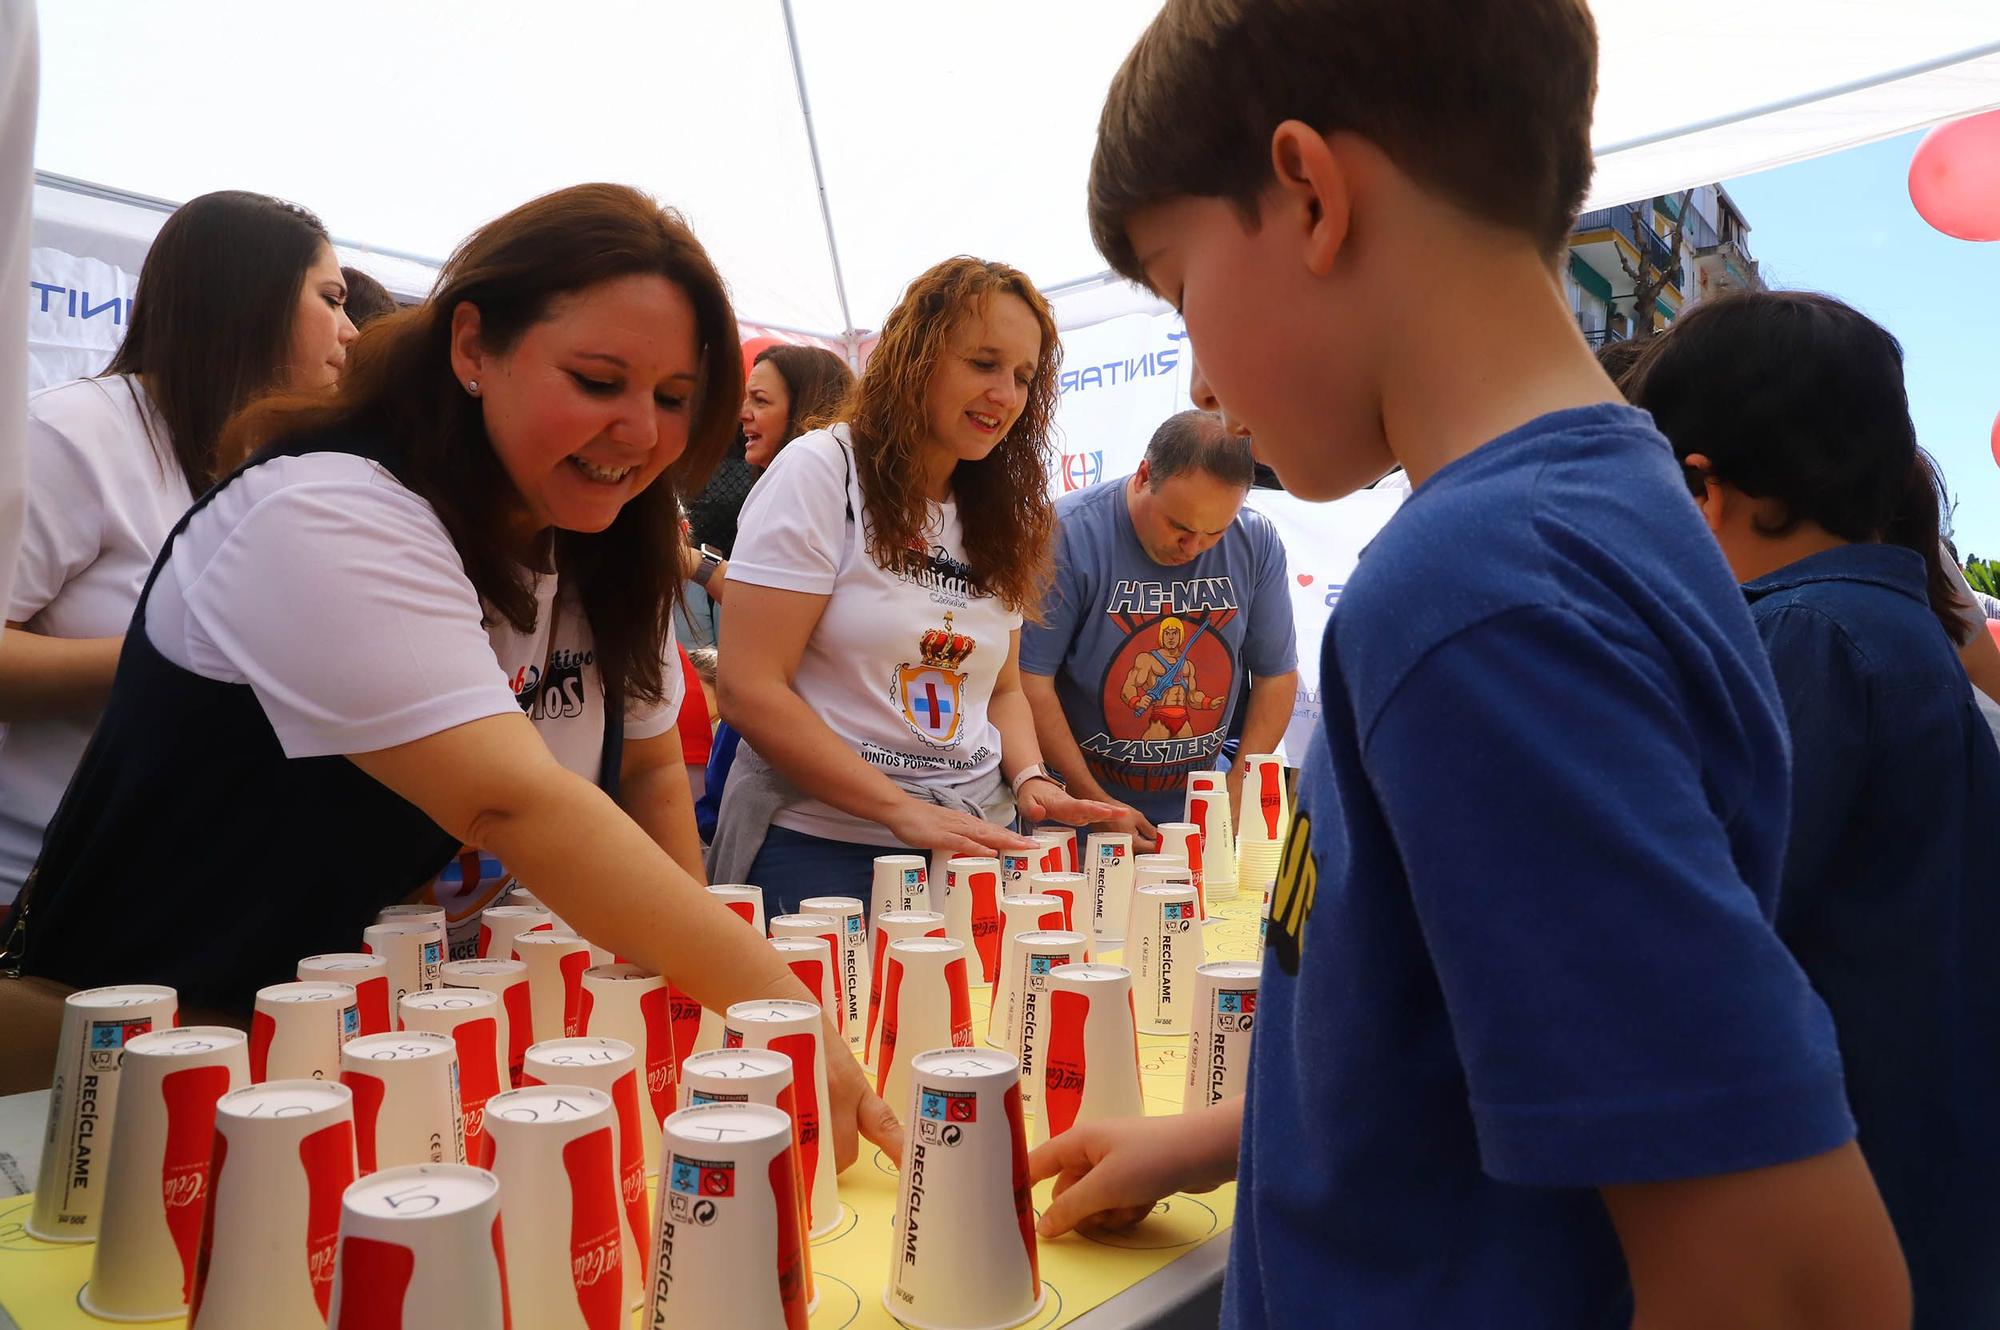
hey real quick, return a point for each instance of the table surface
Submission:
(1165, 1272)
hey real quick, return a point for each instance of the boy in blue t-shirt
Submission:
(1529, 1052)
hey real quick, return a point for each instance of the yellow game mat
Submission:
(39, 1281)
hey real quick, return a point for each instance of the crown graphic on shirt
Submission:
(944, 649)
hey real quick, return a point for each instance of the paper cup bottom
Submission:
(916, 1322)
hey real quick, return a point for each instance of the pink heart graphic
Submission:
(1305, 579)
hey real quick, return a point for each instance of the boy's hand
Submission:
(1111, 1174)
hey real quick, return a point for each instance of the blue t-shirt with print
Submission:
(1148, 659)
(1521, 942)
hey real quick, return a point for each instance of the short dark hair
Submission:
(1797, 397)
(1194, 440)
(367, 299)
(815, 379)
(1487, 103)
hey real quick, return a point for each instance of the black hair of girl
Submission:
(816, 380)
(212, 317)
(1797, 397)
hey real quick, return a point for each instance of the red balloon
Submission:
(1996, 440)
(754, 346)
(1955, 177)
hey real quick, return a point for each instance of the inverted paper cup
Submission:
(744, 901)
(1265, 814)
(1015, 865)
(810, 960)
(142, 1268)
(850, 918)
(1183, 840)
(893, 926)
(297, 1030)
(367, 975)
(971, 909)
(522, 896)
(926, 1004)
(407, 1108)
(1018, 914)
(555, 1154)
(1152, 870)
(737, 1076)
(508, 981)
(610, 1065)
(629, 1003)
(1090, 1067)
(1162, 954)
(420, 1249)
(414, 952)
(1035, 954)
(729, 1251)
(901, 883)
(964, 1255)
(472, 1018)
(940, 860)
(1208, 810)
(499, 925)
(1067, 835)
(83, 1103)
(1069, 888)
(284, 1153)
(1208, 780)
(1108, 866)
(413, 914)
(556, 962)
(794, 1029)
(1218, 1054)
(1051, 855)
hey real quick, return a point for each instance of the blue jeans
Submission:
(793, 866)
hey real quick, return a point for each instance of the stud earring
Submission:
(472, 386)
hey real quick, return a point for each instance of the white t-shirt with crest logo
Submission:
(902, 664)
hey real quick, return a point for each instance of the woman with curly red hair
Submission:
(881, 571)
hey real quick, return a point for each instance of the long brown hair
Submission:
(1003, 499)
(816, 380)
(399, 384)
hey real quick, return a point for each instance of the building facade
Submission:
(1714, 257)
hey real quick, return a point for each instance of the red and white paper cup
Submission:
(1218, 1054)
(893, 926)
(1260, 838)
(556, 962)
(1163, 952)
(610, 1065)
(508, 981)
(284, 1153)
(851, 958)
(297, 1030)
(901, 883)
(1183, 840)
(1015, 865)
(810, 960)
(1090, 1065)
(794, 1029)
(696, 1028)
(737, 1076)
(971, 909)
(1035, 954)
(414, 952)
(420, 1249)
(406, 1099)
(630, 1003)
(1152, 870)
(556, 1156)
(142, 1268)
(1018, 915)
(499, 925)
(744, 901)
(729, 1251)
(367, 975)
(1207, 780)
(963, 1188)
(413, 913)
(1069, 888)
(1208, 810)
(474, 1021)
(1051, 850)
(926, 1004)
(1071, 863)
(83, 1103)
(1108, 867)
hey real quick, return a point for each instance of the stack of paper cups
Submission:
(1152, 870)
(555, 1156)
(1051, 855)
(810, 959)
(1208, 810)
(367, 975)
(143, 1266)
(406, 1102)
(963, 1188)
(1018, 915)
(1015, 865)
(1069, 888)
(1163, 952)
(472, 1018)
(794, 1029)
(414, 952)
(417, 914)
(499, 925)
(297, 1031)
(1261, 838)
(1090, 1070)
(284, 1154)
(1218, 1054)
(901, 884)
(508, 981)
(83, 1103)
(972, 910)
(1035, 955)
(610, 1065)
(850, 920)
(729, 1249)
(744, 901)
(1068, 836)
(1109, 869)
(737, 1076)
(1204, 782)
(1182, 840)
(556, 962)
(926, 1004)
(892, 926)
(629, 1003)
(420, 1250)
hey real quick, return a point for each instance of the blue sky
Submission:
(1844, 225)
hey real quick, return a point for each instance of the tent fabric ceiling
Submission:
(941, 129)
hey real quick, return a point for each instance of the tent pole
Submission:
(848, 334)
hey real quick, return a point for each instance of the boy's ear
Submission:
(1313, 193)
(1714, 496)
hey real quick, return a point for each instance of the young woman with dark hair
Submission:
(432, 611)
(1789, 414)
(239, 295)
(870, 652)
(791, 389)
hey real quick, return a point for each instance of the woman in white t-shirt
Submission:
(870, 653)
(240, 294)
(324, 695)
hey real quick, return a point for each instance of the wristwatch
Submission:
(1036, 771)
(711, 559)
